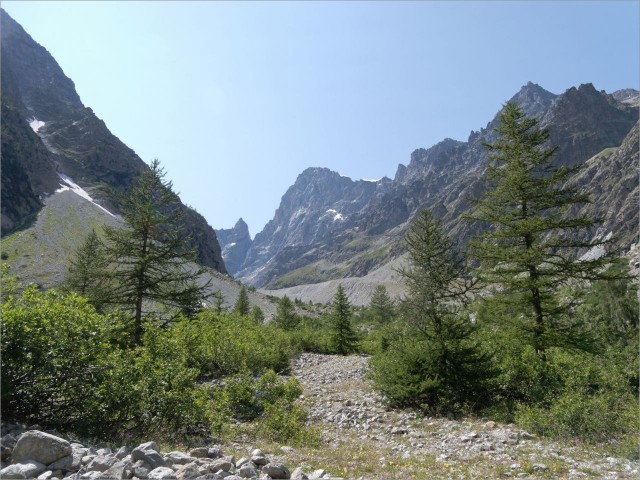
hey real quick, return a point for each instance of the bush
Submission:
(594, 403)
(54, 349)
(437, 376)
(218, 345)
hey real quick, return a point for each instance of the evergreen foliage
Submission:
(257, 314)
(242, 305)
(286, 317)
(529, 250)
(381, 306)
(150, 259)
(434, 363)
(88, 273)
(343, 338)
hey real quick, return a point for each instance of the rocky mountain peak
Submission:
(235, 243)
(533, 99)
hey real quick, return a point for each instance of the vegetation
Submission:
(534, 335)
(343, 338)
(529, 250)
(149, 259)
(242, 305)
(434, 363)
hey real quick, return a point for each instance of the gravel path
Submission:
(350, 414)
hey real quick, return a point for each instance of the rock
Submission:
(179, 458)
(258, 458)
(276, 471)
(24, 469)
(188, 471)
(122, 453)
(101, 463)
(117, 471)
(148, 453)
(41, 447)
(48, 475)
(65, 463)
(298, 474)
(287, 449)
(318, 473)
(162, 473)
(248, 470)
(221, 465)
(140, 469)
(200, 452)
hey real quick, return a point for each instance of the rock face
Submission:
(319, 204)
(48, 131)
(298, 246)
(235, 243)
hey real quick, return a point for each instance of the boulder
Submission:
(101, 463)
(178, 458)
(148, 452)
(65, 463)
(298, 474)
(162, 473)
(248, 470)
(188, 471)
(41, 447)
(24, 469)
(276, 471)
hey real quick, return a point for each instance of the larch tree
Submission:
(529, 250)
(343, 337)
(242, 305)
(152, 261)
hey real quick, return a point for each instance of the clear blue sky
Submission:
(237, 98)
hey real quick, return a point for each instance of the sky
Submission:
(236, 99)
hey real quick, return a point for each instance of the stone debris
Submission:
(43, 456)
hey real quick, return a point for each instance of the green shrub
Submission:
(53, 359)
(218, 345)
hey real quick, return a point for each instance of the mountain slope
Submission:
(583, 122)
(66, 138)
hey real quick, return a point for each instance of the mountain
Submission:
(318, 206)
(48, 133)
(235, 243)
(586, 125)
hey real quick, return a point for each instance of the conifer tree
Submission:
(242, 305)
(529, 250)
(435, 364)
(343, 338)
(382, 306)
(286, 317)
(257, 314)
(150, 257)
(88, 272)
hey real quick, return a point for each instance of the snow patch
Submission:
(36, 124)
(78, 190)
(232, 244)
(336, 215)
(371, 180)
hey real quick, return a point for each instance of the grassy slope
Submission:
(41, 252)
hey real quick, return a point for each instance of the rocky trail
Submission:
(360, 439)
(388, 444)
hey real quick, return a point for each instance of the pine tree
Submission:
(343, 338)
(435, 364)
(257, 314)
(88, 272)
(242, 305)
(529, 250)
(286, 317)
(150, 257)
(381, 306)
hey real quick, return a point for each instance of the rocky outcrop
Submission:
(41, 455)
(235, 243)
(319, 204)
(47, 131)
